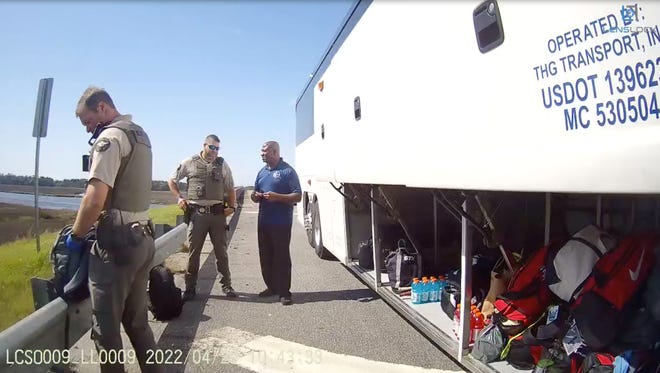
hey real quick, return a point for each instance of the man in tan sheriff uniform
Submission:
(210, 181)
(118, 190)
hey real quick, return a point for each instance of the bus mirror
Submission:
(488, 26)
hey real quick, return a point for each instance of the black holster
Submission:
(119, 239)
(186, 214)
(217, 209)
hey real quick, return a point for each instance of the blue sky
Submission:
(182, 69)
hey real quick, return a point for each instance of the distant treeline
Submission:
(10, 179)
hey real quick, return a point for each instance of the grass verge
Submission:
(165, 215)
(19, 262)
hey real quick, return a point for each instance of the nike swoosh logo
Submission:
(635, 275)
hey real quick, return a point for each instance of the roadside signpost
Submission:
(40, 129)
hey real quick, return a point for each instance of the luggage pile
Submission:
(590, 304)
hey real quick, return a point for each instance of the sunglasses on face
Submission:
(213, 147)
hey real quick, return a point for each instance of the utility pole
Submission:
(39, 131)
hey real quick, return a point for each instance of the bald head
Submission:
(274, 146)
(270, 153)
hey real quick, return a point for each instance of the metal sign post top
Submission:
(43, 107)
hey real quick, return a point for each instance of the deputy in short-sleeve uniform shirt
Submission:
(120, 184)
(210, 181)
(106, 156)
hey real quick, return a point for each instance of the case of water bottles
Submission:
(426, 290)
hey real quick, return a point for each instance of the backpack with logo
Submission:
(70, 268)
(608, 295)
(164, 297)
(571, 264)
(527, 295)
(402, 266)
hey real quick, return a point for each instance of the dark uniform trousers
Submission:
(275, 258)
(119, 296)
(200, 225)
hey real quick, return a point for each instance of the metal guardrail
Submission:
(42, 340)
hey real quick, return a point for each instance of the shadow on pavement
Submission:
(179, 333)
(360, 295)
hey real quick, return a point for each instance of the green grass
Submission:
(165, 215)
(19, 262)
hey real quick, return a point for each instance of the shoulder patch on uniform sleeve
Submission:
(102, 144)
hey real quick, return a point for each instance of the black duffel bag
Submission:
(366, 254)
(402, 266)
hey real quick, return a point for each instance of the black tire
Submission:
(317, 239)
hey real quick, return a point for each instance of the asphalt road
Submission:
(335, 324)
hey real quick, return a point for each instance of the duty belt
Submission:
(203, 209)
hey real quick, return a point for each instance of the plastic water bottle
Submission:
(433, 293)
(415, 296)
(441, 284)
(473, 323)
(425, 289)
(476, 323)
(479, 324)
(457, 318)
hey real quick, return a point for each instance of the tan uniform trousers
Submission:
(119, 295)
(200, 225)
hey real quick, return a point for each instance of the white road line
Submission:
(268, 354)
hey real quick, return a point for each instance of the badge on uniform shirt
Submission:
(276, 175)
(102, 144)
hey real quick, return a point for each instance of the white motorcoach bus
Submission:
(469, 126)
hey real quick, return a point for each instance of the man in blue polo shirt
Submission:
(276, 189)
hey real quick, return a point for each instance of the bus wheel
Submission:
(317, 239)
